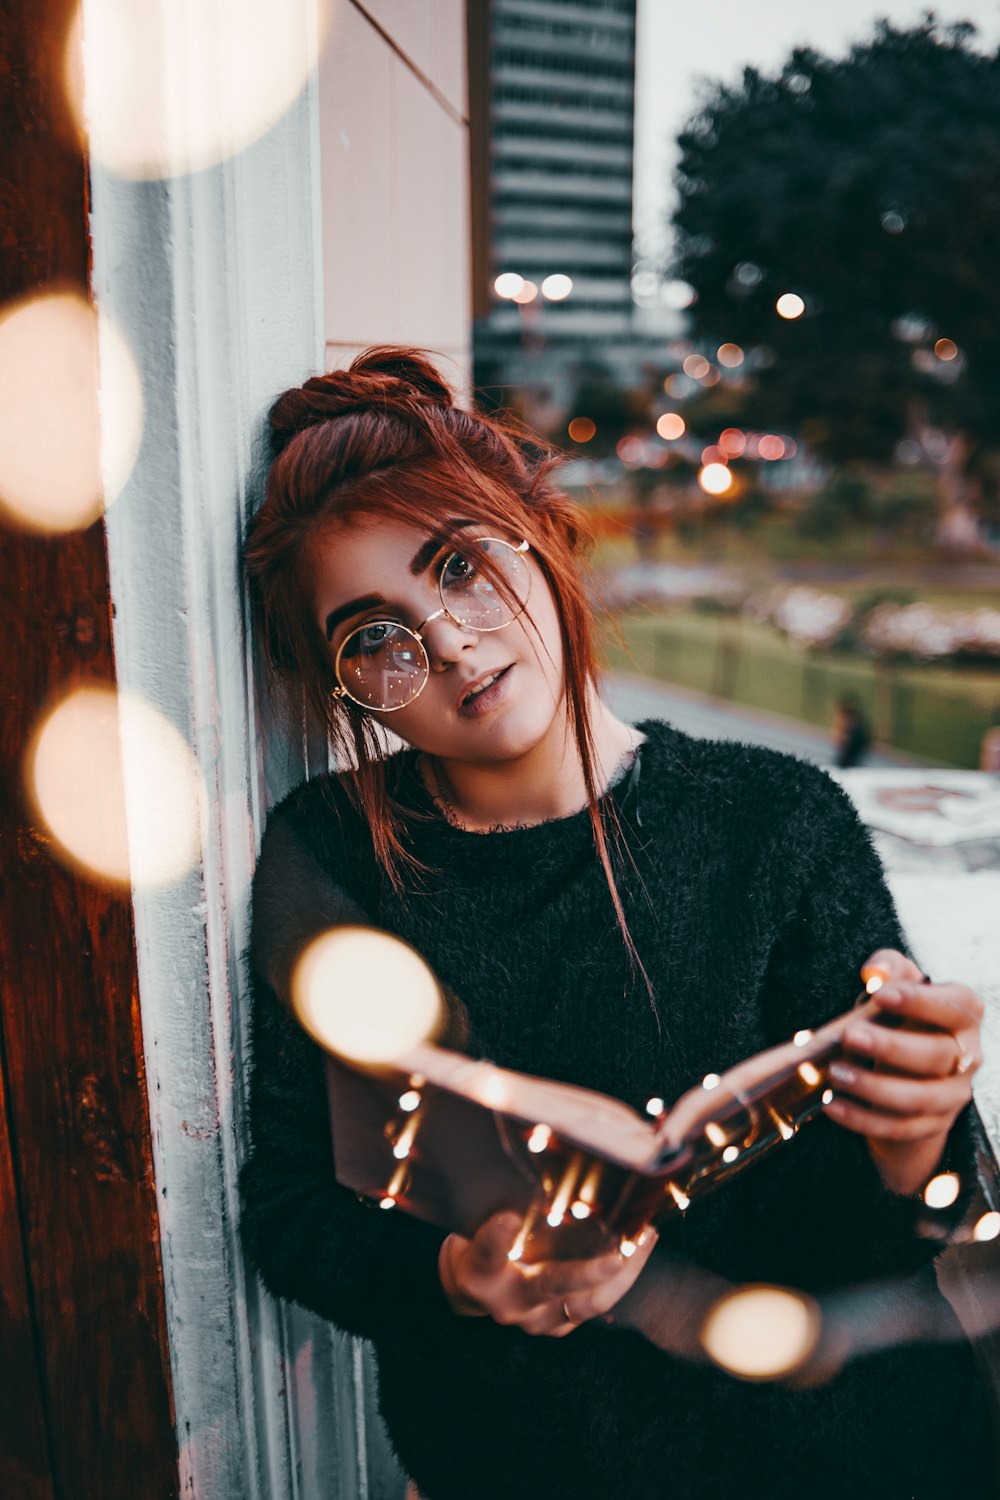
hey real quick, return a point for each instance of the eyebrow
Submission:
(419, 563)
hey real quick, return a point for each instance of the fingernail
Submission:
(890, 997)
(860, 1036)
(841, 1073)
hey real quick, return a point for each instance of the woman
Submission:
(624, 909)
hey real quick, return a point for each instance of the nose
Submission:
(445, 639)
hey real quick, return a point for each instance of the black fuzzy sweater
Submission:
(753, 896)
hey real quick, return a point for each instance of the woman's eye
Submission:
(366, 639)
(458, 569)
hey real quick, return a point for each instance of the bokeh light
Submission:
(942, 1191)
(771, 447)
(761, 1332)
(679, 295)
(117, 788)
(582, 429)
(243, 68)
(730, 356)
(557, 287)
(508, 284)
(527, 293)
(732, 442)
(697, 366)
(70, 402)
(676, 385)
(946, 349)
(790, 305)
(713, 454)
(365, 995)
(987, 1227)
(671, 426)
(715, 479)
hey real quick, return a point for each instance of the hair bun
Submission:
(386, 376)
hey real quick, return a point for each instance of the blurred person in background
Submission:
(625, 909)
(851, 738)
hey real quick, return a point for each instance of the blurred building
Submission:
(559, 156)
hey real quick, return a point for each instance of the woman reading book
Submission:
(626, 909)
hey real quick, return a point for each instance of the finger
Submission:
(889, 1094)
(886, 1127)
(602, 1294)
(555, 1279)
(887, 964)
(949, 1006)
(925, 1054)
(489, 1247)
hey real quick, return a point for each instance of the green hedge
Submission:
(937, 713)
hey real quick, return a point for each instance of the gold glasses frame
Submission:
(340, 691)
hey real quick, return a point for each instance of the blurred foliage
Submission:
(870, 186)
(846, 499)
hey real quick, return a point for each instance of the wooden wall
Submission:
(84, 1364)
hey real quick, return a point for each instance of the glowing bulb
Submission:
(809, 1074)
(827, 1096)
(655, 1106)
(671, 426)
(681, 1199)
(508, 284)
(874, 983)
(387, 1203)
(402, 1001)
(628, 1248)
(801, 1038)
(790, 305)
(554, 1219)
(715, 479)
(539, 1138)
(761, 1332)
(711, 1081)
(731, 1153)
(715, 1133)
(410, 1100)
(942, 1190)
(987, 1227)
(580, 1210)
(557, 287)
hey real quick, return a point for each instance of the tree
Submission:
(870, 187)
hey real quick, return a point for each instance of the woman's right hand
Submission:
(549, 1297)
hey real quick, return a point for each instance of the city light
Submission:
(771, 447)
(730, 356)
(942, 1191)
(697, 366)
(790, 305)
(713, 454)
(527, 293)
(581, 429)
(946, 349)
(732, 442)
(557, 287)
(671, 426)
(715, 479)
(508, 284)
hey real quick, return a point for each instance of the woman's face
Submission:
(378, 569)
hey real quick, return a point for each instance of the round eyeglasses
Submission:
(384, 665)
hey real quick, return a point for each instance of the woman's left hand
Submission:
(922, 1079)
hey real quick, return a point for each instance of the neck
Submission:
(545, 782)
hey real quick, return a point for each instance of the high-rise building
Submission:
(562, 93)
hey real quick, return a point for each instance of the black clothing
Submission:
(753, 895)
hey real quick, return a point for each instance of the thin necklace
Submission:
(435, 785)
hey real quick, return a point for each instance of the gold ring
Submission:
(964, 1060)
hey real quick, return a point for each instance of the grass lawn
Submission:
(939, 713)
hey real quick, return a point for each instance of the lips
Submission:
(486, 685)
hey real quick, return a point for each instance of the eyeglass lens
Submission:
(383, 665)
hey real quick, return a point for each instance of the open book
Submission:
(454, 1140)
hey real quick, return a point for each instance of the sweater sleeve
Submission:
(834, 1200)
(373, 1273)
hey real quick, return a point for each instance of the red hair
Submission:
(384, 438)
